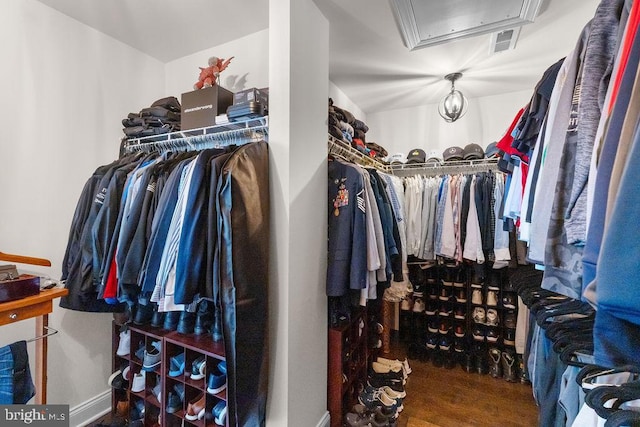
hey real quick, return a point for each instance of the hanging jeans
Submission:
(243, 242)
(16, 385)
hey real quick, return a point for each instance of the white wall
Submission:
(341, 100)
(65, 89)
(299, 86)
(487, 119)
(249, 67)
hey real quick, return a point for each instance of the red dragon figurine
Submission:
(209, 76)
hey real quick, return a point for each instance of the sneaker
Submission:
(371, 398)
(138, 383)
(124, 344)
(458, 345)
(492, 298)
(476, 296)
(392, 393)
(461, 295)
(445, 294)
(176, 365)
(509, 300)
(406, 304)
(153, 357)
(494, 280)
(445, 343)
(219, 413)
(418, 291)
(460, 313)
(478, 333)
(477, 275)
(380, 368)
(395, 362)
(418, 305)
(492, 335)
(445, 310)
(433, 292)
(510, 320)
(492, 317)
(433, 326)
(197, 368)
(217, 379)
(510, 337)
(431, 308)
(140, 351)
(432, 342)
(174, 404)
(444, 328)
(380, 380)
(196, 408)
(157, 390)
(459, 331)
(120, 378)
(479, 315)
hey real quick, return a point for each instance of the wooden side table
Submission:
(38, 306)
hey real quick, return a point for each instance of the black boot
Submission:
(216, 330)
(158, 317)
(171, 320)
(144, 312)
(523, 373)
(204, 317)
(187, 322)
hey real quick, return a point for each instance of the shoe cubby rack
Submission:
(348, 364)
(173, 344)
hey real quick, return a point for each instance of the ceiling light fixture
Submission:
(454, 105)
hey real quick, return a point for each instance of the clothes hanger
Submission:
(50, 332)
(24, 259)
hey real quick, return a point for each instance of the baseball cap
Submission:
(416, 156)
(452, 153)
(434, 157)
(491, 150)
(397, 159)
(473, 152)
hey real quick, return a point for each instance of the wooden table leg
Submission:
(41, 359)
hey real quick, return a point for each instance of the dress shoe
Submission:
(196, 408)
(186, 323)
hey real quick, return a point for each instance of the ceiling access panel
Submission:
(424, 23)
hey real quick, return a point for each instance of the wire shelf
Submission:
(232, 133)
(452, 167)
(346, 152)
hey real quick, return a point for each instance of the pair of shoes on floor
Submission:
(393, 365)
(361, 416)
(372, 397)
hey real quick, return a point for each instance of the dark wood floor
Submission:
(454, 398)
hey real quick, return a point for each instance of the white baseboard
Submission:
(325, 420)
(90, 410)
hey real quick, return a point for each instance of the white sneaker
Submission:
(492, 317)
(404, 365)
(392, 393)
(138, 382)
(384, 369)
(476, 297)
(418, 306)
(479, 315)
(125, 343)
(492, 298)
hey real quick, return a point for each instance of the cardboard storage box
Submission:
(23, 286)
(253, 94)
(200, 107)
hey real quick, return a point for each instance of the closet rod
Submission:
(346, 152)
(232, 133)
(50, 332)
(455, 167)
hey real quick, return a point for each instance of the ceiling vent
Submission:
(426, 23)
(504, 40)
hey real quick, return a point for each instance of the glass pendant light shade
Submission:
(454, 105)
